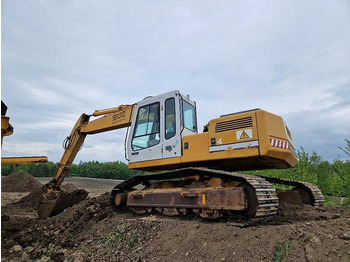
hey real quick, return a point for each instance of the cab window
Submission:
(188, 116)
(146, 133)
(170, 123)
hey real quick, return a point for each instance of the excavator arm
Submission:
(109, 119)
(113, 118)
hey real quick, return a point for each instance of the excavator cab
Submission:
(158, 125)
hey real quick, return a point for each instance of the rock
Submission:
(138, 249)
(25, 256)
(64, 251)
(79, 258)
(315, 240)
(345, 236)
(17, 248)
(29, 249)
(44, 259)
(308, 252)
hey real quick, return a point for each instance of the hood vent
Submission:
(234, 124)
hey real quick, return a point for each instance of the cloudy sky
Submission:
(62, 58)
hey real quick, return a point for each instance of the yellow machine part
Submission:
(6, 128)
(23, 160)
(258, 137)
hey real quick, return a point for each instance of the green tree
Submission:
(346, 149)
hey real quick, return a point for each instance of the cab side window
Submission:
(188, 116)
(146, 133)
(170, 119)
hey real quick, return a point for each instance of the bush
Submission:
(332, 178)
(93, 169)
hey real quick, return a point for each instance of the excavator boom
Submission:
(111, 119)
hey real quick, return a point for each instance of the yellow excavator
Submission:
(7, 130)
(196, 168)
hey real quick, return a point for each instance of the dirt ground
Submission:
(91, 231)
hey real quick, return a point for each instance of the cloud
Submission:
(62, 59)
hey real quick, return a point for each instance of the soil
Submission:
(92, 231)
(19, 181)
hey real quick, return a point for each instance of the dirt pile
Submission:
(19, 181)
(69, 196)
(288, 213)
(91, 231)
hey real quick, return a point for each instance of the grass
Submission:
(134, 239)
(119, 237)
(281, 251)
(337, 202)
(103, 239)
(125, 239)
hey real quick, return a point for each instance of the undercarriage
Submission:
(210, 194)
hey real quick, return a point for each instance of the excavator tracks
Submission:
(261, 197)
(310, 193)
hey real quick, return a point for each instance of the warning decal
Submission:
(244, 134)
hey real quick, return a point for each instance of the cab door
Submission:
(171, 128)
(145, 141)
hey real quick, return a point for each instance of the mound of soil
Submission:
(19, 181)
(91, 231)
(69, 196)
(289, 213)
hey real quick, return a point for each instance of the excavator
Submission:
(7, 130)
(194, 171)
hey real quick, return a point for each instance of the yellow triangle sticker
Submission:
(244, 135)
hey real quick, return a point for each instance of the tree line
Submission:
(333, 178)
(91, 169)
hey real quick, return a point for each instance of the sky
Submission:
(60, 59)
